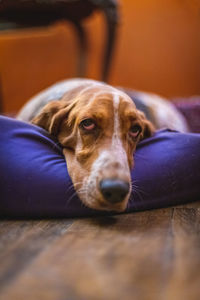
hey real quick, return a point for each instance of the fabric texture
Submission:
(34, 181)
(190, 108)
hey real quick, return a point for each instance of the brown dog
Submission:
(98, 127)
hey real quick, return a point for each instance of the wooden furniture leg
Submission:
(111, 17)
(82, 60)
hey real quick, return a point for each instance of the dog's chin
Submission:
(105, 206)
(113, 208)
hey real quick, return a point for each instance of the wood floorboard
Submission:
(23, 242)
(142, 256)
(185, 278)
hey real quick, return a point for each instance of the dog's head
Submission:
(99, 130)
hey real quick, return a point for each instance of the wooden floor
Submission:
(146, 255)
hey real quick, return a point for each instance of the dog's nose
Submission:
(114, 190)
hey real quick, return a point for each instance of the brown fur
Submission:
(62, 118)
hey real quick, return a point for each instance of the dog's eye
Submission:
(135, 131)
(88, 124)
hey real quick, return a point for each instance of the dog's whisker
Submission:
(72, 196)
(140, 190)
(78, 192)
(135, 187)
(131, 200)
(135, 181)
(137, 192)
(83, 191)
(70, 188)
(138, 195)
(73, 186)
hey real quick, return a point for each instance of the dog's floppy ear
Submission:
(52, 115)
(148, 127)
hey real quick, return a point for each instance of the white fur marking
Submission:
(116, 140)
(115, 153)
(115, 137)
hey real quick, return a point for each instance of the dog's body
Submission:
(98, 127)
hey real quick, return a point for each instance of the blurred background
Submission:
(157, 49)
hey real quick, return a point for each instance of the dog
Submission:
(98, 127)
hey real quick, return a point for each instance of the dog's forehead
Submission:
(105, 97)
(102, 102)
(95, 104)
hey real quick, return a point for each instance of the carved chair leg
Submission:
(111, 18)
(82, 61)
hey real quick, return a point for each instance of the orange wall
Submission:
(32, 60)
(158, 49)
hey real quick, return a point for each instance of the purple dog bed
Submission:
(34, 181)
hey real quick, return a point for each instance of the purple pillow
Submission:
(34, 181)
